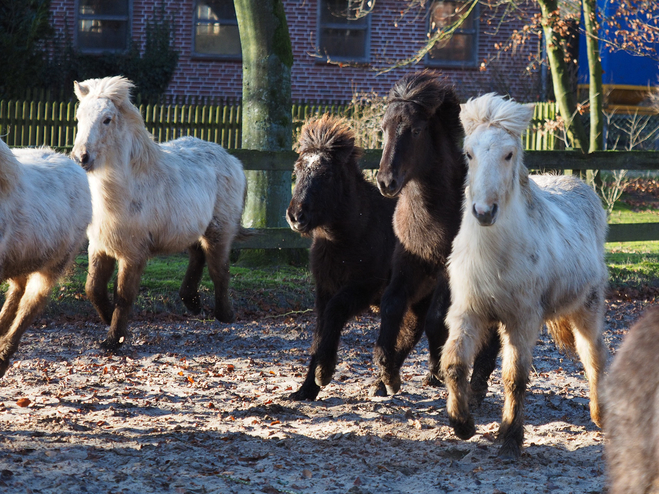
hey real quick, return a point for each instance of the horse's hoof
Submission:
(304, 394)
(510, 450)
(463, 429)
(393, 386)
(432, 380)
(193, 308)
(226, 317)
(476, 397)
(377, 389)
(4, 365)
(112, 344)
(323, 376)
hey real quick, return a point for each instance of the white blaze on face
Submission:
(312, 161)
(95, 122)
(492, 157)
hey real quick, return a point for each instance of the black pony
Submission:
(353, 238)
(423, 165)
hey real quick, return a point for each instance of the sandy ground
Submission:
(197, 406)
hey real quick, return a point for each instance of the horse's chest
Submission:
(420, 233)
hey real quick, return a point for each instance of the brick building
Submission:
(206, 37)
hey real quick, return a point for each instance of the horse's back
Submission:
(568, 195)
(48, 210)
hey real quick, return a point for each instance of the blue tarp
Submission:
(620, 68)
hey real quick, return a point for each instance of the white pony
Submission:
(530, 250)
(151, 199)
(45, 207)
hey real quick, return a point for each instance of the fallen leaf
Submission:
(23, 402)
(357, 481)
(307, 474)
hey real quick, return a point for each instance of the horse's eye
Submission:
(107, 121)
(509, 156)
(416, 132)
(468, 155)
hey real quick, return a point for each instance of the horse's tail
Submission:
(562, 333)
(244, 234)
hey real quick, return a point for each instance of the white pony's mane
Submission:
(144, 151)
(492, 109)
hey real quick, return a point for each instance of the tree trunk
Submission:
(560, 76)
(595, 96)
(266, 120)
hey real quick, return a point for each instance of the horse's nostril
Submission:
(494, 209)
(84, 159)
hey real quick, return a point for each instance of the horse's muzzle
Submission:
(390, 188)
(298, 220)
(84, 160)
(487, 217)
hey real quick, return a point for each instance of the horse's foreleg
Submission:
(518, 342)
(465, 337)
(346, 303)
(392, 311)
(10, 307)
(309, 389)
(217, 252)
(591, 349)
(128, 286)
(101, 268)
(484, 364)
(189, 291)
(31, 304)
(436, 330)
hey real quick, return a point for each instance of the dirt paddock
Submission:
(200, 407)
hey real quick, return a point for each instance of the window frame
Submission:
(343, 26)
(128, 18)
(474, 32)
(221, 22)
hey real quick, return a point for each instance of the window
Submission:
(216, 29)
(103, 26)
(340, 36)
(461, 49)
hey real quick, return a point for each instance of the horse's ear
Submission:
(80, 90)
(468, 119)
(528, 111)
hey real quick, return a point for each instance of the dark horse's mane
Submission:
(434, 96)
(328, 136)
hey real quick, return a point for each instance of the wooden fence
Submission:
(34, 123)
(52, 123)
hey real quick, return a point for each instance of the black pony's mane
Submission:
(330, 136)
(436, 97)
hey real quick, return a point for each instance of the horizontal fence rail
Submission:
(282, 238)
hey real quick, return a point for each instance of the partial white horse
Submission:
(151, 199)
(631, 411)
(530, 250)
(45, 207)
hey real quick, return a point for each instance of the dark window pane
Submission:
(216, 10)
(459, 48)
(217, 39)
(102, 35)
(444, 14)
(104, 7)
(343, 43)
(337, 12)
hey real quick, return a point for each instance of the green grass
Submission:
(255, 291)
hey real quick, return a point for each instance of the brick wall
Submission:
(392, 38)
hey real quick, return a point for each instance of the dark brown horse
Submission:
(353, 238)
(423, 165)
